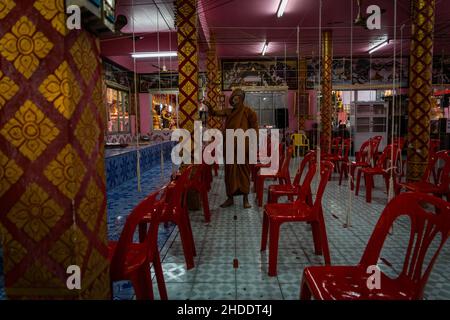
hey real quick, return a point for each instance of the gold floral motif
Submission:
(95, 266)
(70, 248)
(25, 46)
(99, 288)
(13, 251)
(53, 10)
(7, 89)
(101, 165)
(66, 172)
(91, 205)
(10, 173)
(62, 89)
(5, 7)
(84, 57)
(38, 276)
(87, 131)
(30, 131)
(35, 213)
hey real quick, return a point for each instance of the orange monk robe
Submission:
(237, 176)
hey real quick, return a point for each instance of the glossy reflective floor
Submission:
(234, 233)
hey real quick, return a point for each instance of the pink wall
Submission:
(146, 114)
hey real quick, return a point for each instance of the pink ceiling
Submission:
(241, 27)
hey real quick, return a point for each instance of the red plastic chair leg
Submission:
(205, 204)
(265, 232)
(316, 238)
(186, 243)
(274, 235)
(324, 240)
(160, 277)
(260, 189)
(305, 293)
(191, 234)
(358, 181)
(369, 185)
(142, 283)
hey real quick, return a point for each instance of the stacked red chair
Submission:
(350, 282)
(282, 174)
(299, 211)
(341, 156)
(174, 209)
(364, 158)
(290, 190)
(383, 168)
(256, 167)
(131, 261)
(201, 183)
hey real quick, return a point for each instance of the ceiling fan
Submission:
(163, 68)
(361, 20)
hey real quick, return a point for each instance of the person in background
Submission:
(237, 176)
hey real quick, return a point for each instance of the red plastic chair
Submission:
(282, 174)
(299, 211)
(130, 260)
(256, 167)
(367, 153)
(175, 210)
(341, 156)
(290, 190)
(441, 188)
(381, 168)
(350, 282)
(200, 183)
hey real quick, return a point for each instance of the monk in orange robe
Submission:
(237, 176)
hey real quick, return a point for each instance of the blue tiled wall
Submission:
(122, 167)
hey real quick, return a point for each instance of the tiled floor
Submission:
(234, 233)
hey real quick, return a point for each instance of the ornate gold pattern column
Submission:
(187, 63)
(420, 89)
(213, 83)
(52, 175)
(325, 107)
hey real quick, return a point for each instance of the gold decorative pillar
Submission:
(325, 106)
(420, 89)
(52, 175)
(187, 63)
(303, 96)
(213, 88)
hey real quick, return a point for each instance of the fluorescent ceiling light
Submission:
(378, 46)
(264, 48)
(281, 7)
(154, 54)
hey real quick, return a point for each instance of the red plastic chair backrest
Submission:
(434, 145)
(326, 168)
(309, 157)
(149, 205)
(345, 150)
(374, 145)
(425, 227)
(178, 189)
(382, 161)
(363, 155)
(284, 169)
(335, 143)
